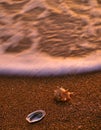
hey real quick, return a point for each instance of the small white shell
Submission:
(35, 116)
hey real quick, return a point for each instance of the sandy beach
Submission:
(19, 96)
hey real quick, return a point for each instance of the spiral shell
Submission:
(61, 94)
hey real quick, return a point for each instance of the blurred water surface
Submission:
(43, 37)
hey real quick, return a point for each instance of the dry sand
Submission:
(21, 95)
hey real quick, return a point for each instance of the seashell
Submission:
(61, 94)
(36, 116)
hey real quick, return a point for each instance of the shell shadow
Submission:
(60, 103)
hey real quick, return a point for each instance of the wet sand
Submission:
(21, 95)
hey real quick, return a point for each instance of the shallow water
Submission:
(43, 37)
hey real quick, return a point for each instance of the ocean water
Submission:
(50, 37)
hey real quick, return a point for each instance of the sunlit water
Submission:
(45, 37)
